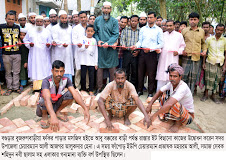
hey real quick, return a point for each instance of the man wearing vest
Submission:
(57, 92)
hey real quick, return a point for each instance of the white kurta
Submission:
(49, 27)
(173, 41)
(39, 64)
(64, 54)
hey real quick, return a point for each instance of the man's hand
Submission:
(203, 53)
(96, 67)
(204, 66)
(149, 108)
(157, 51)
(109, 125)
(123, 47)
(114, 45)
(32, 44)
(184, 53)
(100, 43)
(79, 45)
(86, 115)
(54, 124)
(47, 45)
(86, 46)
(147, 120)
(25, 65)
(65, 45)
(54, 44)
(146, 50)
(105, 45)
(175, 53)
(135, 53)
(133, 47)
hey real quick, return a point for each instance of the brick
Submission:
(65, 110)
(8, 128)
(88, 101)
(136, 119)
(99, 120)
(94, 125)
(135, 127)
(143, 131)
(82, 125)
(102, 125)
(85, 94)
(80, 94)
(31, 123)
(48, 130)
(148, 100)
(1, 126)
(138, 113)
(80, 110)
(77, 130)
(6, 107)
(127, 131)
(77, 119)
(91, 130)
(63, 129)
(73, 108)
(93, 118)
(33, 130)
(21, 129)
(19, 122)
(132, 115)
(95, 104)
(24, 100)
(16, 100)
(32, 101)
(91, 105)
(69, 125)
(6, 122)
(71, 118)
(122, 126)
(145, 104)
(140, 124)
(114, 130)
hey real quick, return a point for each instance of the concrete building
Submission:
(85, 5)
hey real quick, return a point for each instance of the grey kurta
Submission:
(106, 31)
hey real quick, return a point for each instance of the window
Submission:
(8, 1)
(18, 2)
(14, 1)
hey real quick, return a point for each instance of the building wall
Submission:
(2, 11)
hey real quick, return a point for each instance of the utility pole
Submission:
(65, 6)
(78, 5)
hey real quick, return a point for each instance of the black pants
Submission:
(91, 70)
(147, 62)
(130, 65)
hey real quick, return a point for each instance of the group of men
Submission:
(144, 45)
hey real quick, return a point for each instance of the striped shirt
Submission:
(129, 37)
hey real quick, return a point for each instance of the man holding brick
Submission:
(57, 93)
(120, 99)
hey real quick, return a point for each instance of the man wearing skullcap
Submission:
(53, 19)
(176, 102)
(75, 18)
(142, 19)
(31, 20)
(38, 42)
(46, 21)
(22, 20)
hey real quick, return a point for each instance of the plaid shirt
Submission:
(119, 38)
(129, 37)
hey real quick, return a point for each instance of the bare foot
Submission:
(127, 121)
(174, 128)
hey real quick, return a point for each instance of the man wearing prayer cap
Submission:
(62, 36)
(53, 19)
(46, 21)
(31, 20)
(106, 33)
(22, 20)
(142, 19)
(176, 102)
(38, 40)
(75, 18)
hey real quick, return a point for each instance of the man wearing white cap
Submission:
(22, 20)
(31, 19)
(61, 34)
(75, 18)
(52, 18)
(142, 19)
(39, 63)
(46, 21)
(106, 33)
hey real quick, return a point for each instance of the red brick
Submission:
(73, 108)
(102, 125)
(63, 129)
(24, 100)
(135, 127)
(99, 120)
(19, 122)
(166, 125)
(1, 126)
(80, 110)
(71, 118)
(8, 128)
(78, 130)
(31, 123)
(69, 125)
(82, 125)
(120, 120)
(93, 118)
(77, 119)
(21, 129)
(132, 115)
(16, 100)
(48, 130)
(148, 100)
(6, 122)
(114, 130)
(6, 107)
(65, 110)
(84, 94)
(127, 131)
(136, 119)
(91, 130)
(94, 125)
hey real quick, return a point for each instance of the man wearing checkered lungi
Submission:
(215, 62)
(176, 101)
(194, 38)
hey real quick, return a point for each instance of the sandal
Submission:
(18, 91)
(63, 117)
(8, 92)
(44, 124)
(21, 89)
(2, 92)
(204, 98)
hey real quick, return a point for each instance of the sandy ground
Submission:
(210, 117)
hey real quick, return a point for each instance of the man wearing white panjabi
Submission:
(53, 19)
(39, 40)
(31, 21)
(62, 41)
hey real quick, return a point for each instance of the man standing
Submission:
(151, 40)
(61, 34)
(31, 20)
(38, 41)
(177, 25)
(53, 19)
(57, 93)
(206, 28)
(194, 38)
(92, 19)
(75, 18)
(163, 25)
(173, 47)
(215, 62)
(22, 20)
(178, 106)
(46, 21)
(142, 19)
(106, 33)
(159, 21)
(119, 98)
(129, 38)
(11, 55)
(70, 21)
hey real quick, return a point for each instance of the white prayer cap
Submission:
(46, 18)
(143, 14)
(74, 12)
(107, 3)
(21, 15)
(61, 12)
(39, 17)
(52, 11)
(118, 18)
(24, 30)
(31, 14)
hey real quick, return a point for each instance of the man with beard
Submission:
(31, 20)
(119, 98)
(75, 18)
(70, 21)
(22, 20)
(178, 104)
(57, 93)
(53, 19)
(78, 32)
(194, 38)
(62, 38)
(142, 19)
(106, 33)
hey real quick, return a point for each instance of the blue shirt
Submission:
(150, 37)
